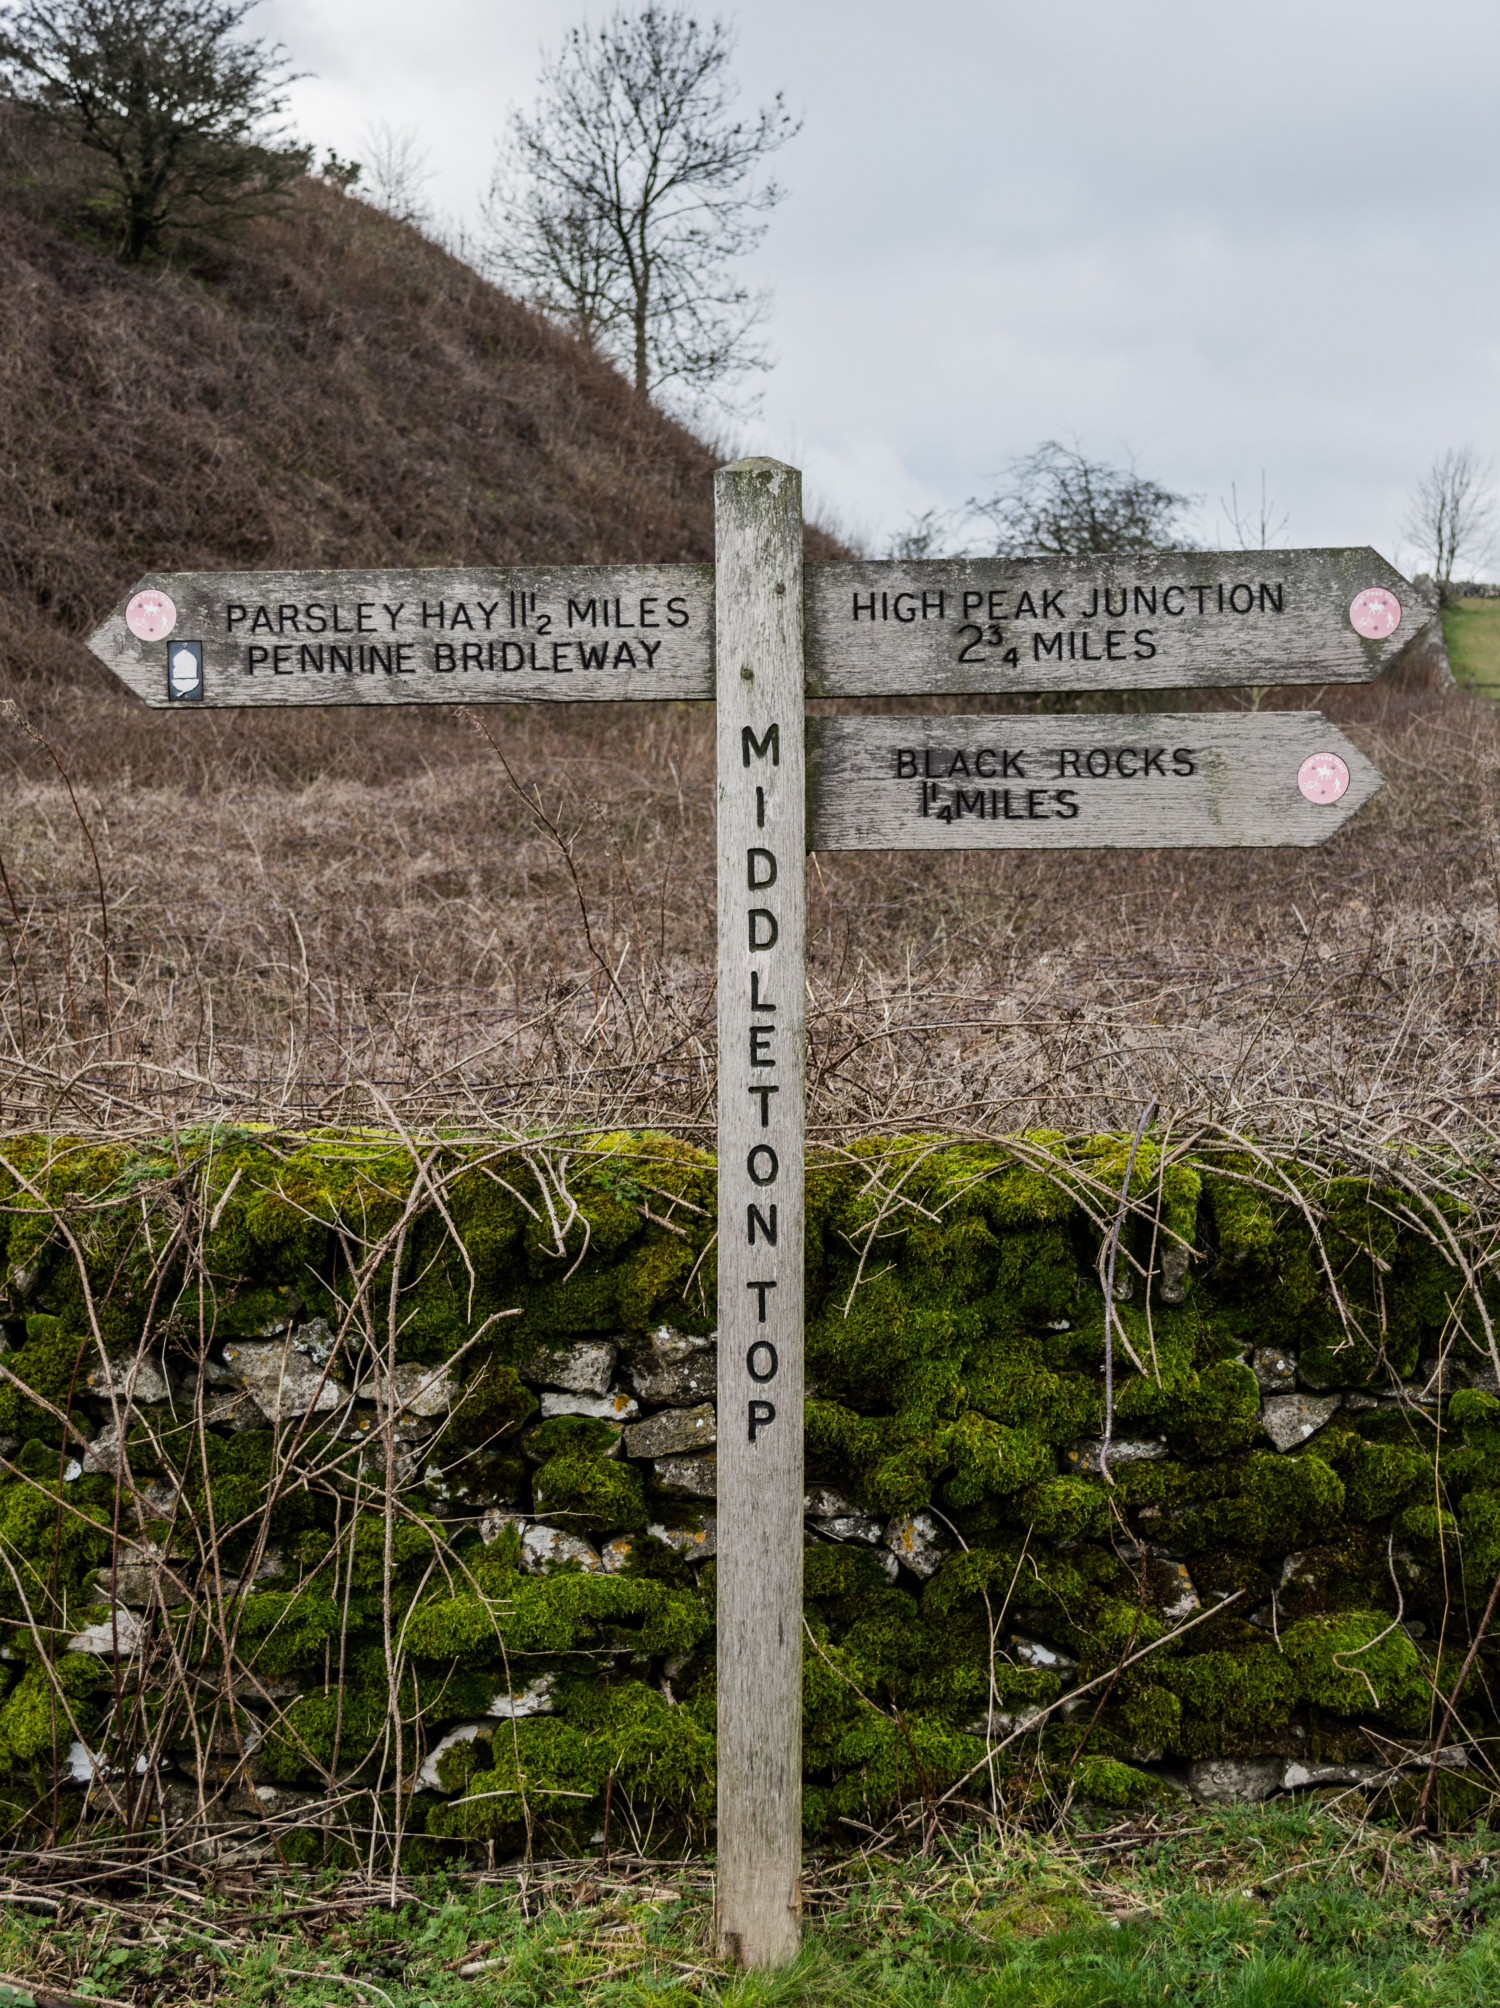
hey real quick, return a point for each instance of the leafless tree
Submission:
(622, 203)
(932, 534)
(1451, 514)
(177, 104)
(1060, 504)
(398, 171)
(1255, 529)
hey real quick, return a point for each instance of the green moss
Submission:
(1151, 1718)
(1217, 1416)
(557, 1614)
(1379, 1477)
(1230, 1699)
(879, 1763)
(596, 1493)
(36, 1712)
(1358, 1663)
(1066, 1509)
(54, 1363)
(52, 1542)
(1276, 1503)
(1108, 1782)
(955, 1341)
(988, 1458)
(282, 1629)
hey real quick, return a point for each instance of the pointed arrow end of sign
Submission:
(130, 641)
(1336, 774)
(1390, 607)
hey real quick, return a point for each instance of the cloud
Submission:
(1225, 239)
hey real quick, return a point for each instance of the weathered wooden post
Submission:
(762, 962)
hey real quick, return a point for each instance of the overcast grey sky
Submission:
(1218, 237)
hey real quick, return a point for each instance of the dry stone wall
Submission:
(361, 1493)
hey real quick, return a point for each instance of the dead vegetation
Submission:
(327, 916)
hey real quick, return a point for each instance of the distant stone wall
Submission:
(358, 1487)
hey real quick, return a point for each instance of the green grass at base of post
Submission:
(1281, 1907)
(1471, 633)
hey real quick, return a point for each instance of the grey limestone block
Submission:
(1176, 1593)
(696, 1540)
(113, 1637)
(837, 1518)
(544, 1548)
(1220, 1781)
(1297, 1775)
(271, 1565)
(1000, 1723)
(236, 1411)
(427, 1779)
(103, 1454)
(1275, 1370)
(285, 1377)
(1439, 1375)
(693, 1477)
(849, 1527)
(616, 1552)
(1042, 1658)
(251, 1801)
(914, 1539)
(494, 1522)
(136, 1379)
(617, 1406)
(364, 1425)
(671, 1369)
(428, 1392)
(1088, 1455)
(1173, 1265)
(1290, 1419)
(133, 1580)
(535, 1698)
(584, 1368)
(672, 1432)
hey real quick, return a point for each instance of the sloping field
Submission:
(344, 916)
(1471, 631)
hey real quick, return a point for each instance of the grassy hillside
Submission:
(1471, 630)
(329, 388)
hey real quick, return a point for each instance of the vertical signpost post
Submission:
(762, 1045)
(735, 633)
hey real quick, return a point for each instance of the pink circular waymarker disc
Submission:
(150, 616)
(1375, 613)
(1323, 777)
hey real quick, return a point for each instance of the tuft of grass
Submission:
(1288, 1907)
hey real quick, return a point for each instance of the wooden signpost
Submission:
(1162, 621)
(758, 632)
(1150, 781)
